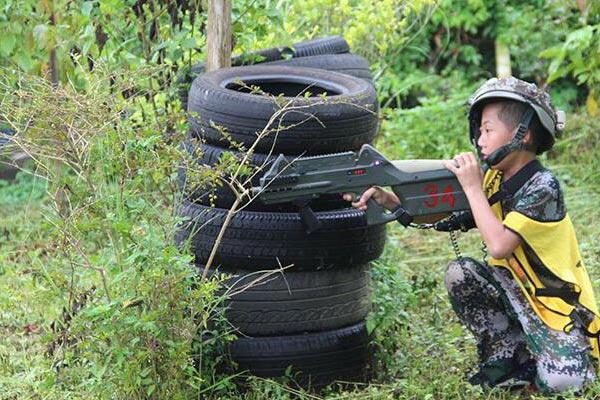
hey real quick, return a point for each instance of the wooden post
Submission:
(218, 39)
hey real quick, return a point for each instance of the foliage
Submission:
(409, 44)
(578, 56)
(465, 32)
(457, 44)
(128, 312)
(69, 39)
(382, 32)
(435, 129)
(578, 146)
(64, 40)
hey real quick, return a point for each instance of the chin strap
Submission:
(514, 144)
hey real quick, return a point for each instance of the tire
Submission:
(314, 47)
(344, 121)
(306, 48)
(10, 165)
(293, 302)
(349, 64)
(221, 195)
(317, 359)
(264, 240)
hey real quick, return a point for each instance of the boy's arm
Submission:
(500, 241)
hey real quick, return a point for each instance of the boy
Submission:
(531, 306)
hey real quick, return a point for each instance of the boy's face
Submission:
(494, 133)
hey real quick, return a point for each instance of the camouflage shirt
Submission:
(541, 199)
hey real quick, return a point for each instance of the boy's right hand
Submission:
(384, 198)
(360, 202)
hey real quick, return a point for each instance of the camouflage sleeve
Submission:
(541, 198)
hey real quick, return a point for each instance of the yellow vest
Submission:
(556, 246)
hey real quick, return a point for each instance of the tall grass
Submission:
(96, 301)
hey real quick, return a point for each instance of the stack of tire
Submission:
(310, 316)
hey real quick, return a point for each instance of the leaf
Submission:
(87, 7)
(86, 46)
(7, 44)
(370, 326)
(552, 52)
(40, 34)
(24, 60)
(580, 38)
(557, 72)
(591, 104)
(150, 389)
(145, 372)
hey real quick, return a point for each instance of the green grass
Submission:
(422, 352)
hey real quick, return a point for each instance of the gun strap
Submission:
(576, 319)
(567, 294)
(512, 185)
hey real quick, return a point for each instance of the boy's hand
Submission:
(384, 198)
(467, 170)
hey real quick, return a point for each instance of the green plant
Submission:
(383, 32)
(578, 146)
(69, 38)
(577, 55)
(458, 44)
(435, 129)
(465, 34)
(126, 306)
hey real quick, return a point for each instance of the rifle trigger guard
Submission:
(376, 214)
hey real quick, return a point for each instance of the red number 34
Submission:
(435, 198)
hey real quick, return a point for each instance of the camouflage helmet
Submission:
(552, 121)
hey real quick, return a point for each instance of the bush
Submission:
(578, 54)
(437, 128)
(124, 313)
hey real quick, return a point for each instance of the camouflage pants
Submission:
(490, 303)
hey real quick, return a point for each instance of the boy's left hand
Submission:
(467, 170)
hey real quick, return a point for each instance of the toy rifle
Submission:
(424, 187)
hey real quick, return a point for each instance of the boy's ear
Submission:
(529, 142)
(528, 138)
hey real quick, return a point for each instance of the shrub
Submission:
(126, 315)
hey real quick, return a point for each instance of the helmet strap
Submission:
(516, 143)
